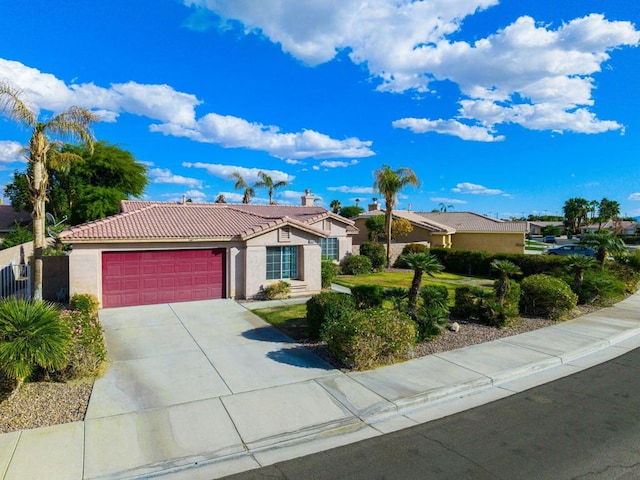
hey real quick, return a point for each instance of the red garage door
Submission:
(144, 278)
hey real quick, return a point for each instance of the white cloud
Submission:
(250, 175)
(163, 175)
(177, 116)
(538, 76)
(11, 152)
(347, 189)
(474, 189)
(448, 127)
(194, 195)
(338, 164)
(234, 132)
(232, 197)
(634, 196)
(453, 201)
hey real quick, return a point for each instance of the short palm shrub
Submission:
(368, 296)
(376, 253)
(398, 297)
(370, 338)
(87, 351)
(546, 296)
(467, 302)
(326, 307)
(601, 288)
(84, 302)
(328, 272)
(499, 312)
(31, 335)
(357, 265)
(433, 311)
(279, 289)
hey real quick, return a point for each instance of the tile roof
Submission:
(205, 221)
(474, 222)
(414, 218)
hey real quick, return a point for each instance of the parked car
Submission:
(572, 249)
(549, 239)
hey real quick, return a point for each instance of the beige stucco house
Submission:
(157, 252)
(458, 230)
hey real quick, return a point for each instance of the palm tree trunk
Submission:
(412, 298)
(387, 225)
(38, 193)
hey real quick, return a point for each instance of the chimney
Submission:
(308, 200)
(184, 199)
(374, 206)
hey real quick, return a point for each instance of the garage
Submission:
(149, 277)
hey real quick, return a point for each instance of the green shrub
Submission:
(433, 311)
(398, 296)
(369, 338)
(31, 335)
(466, 302)
(543, 295)
(601, 287)
(279, 289)
(87, 352)
(357, 265)
(494, 313)
(325, 307)
(368, 296)
(410, 248)
(376, 253)
(84, 302)
(16, 235)
(328, 272)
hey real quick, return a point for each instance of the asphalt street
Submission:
(585, 426)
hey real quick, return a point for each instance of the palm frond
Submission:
(12, 104)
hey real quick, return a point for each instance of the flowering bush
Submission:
(87, 351)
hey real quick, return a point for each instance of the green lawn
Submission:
(290, 319)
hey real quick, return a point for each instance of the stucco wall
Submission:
(490, 242)
(416, 235)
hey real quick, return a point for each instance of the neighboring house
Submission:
(535, 228)
(619, 227)
(458, 230)
(156, 252)
(9, 217)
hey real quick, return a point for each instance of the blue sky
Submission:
(501, 107)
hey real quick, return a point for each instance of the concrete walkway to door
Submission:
(206, 389)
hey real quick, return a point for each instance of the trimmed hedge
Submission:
(376, 253)
(370, 338)
(368, 296)
(546, 296)
(410, 248)
(325, 307)
(478, 263)
(357, 265)
(328, 272)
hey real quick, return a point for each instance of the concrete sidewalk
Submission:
(188, 399)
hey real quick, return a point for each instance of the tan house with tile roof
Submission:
(155, 252)
(459, 230)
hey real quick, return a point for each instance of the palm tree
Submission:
(335, 206)
(579, 264)
(31, 334)
(267, 182)
(71, 124)
(420, 263)
(221, 199)
(241, 183)
(505, 269)
(604, 243)
(389, 183)
(444, 208)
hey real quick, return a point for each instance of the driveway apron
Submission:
(176, 374)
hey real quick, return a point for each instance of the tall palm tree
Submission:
(420, 263)
(267, 182)
(71, 124)
(505, 269)
(579, 264)
(241, 183)
(604, 243)
(335, 206)
(389, 183)
(444, 208)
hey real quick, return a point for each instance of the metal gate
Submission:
(15, 281)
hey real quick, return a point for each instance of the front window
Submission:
(329, 248)
(282, 263)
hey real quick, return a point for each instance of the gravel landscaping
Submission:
(41, 404)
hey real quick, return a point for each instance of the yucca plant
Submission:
(31, 335)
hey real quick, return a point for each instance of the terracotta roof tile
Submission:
(161, 220)
(473, 222)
